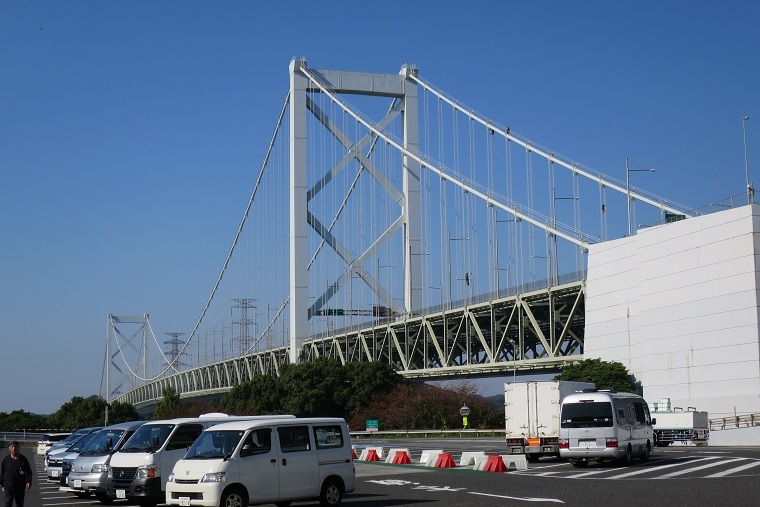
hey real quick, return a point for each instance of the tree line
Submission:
(357, 392)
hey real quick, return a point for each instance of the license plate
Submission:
(120, 493)
(55, 473)
(77, 484)
(184, 501)
(588, 443)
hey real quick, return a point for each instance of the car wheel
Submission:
(645, 455)
(332, 493)
(628, 458)
(234, 497)
(580, 464)
(103, 498)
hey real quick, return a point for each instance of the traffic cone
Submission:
(372, 456)
(495, 464)
(353, 454)
(401, 458)
(445, 461)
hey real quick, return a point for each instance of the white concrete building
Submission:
(677, 304)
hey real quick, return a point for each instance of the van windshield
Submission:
(214, 444)
(590, 414)
(102, 443)
(142, 439)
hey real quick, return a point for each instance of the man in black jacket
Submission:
(15, 476)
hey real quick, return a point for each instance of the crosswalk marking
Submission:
(694, 469)
(593, 472)
(734, 470)
(660, 467)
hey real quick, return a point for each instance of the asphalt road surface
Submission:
(674, 476)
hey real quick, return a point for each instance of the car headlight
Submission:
(147, 472)
(217, 477)
(99, 468)
(171, 477)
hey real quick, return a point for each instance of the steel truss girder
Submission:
(534, 332)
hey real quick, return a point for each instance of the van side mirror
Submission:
(247, 450)
(654, 421)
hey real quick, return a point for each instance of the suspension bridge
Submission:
(390, 222)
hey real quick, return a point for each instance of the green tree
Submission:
(422, 406)
(365, 382)
(80, 413)
(309, 389)
(604, 374)
(259, 396)
(169, 406)
(22, 420)
(119, 412)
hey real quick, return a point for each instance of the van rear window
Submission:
(586, 415)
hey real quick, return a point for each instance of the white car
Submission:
(47, 440)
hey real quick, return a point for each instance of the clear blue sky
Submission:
(131, 133)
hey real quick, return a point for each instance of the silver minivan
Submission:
(604, 425)
(89, 471)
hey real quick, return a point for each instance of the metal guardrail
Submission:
(426, 433)
(732, 423)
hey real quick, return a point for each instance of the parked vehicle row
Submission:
(235, 460)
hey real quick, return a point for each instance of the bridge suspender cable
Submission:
(550, 156)
(575, 237)
(234, 242)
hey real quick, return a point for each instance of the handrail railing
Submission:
(732, 423)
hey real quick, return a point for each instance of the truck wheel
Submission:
(533, 458)
(332, 493)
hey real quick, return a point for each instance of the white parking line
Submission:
(528, 499)
(593, 472)
(693, 469)
(658, 468)
(734, 470)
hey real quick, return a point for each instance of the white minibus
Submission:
(275, 461)
(604, 425)
(138, 471)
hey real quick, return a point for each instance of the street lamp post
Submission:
(750, 189)
(448, 255)
(628, 190)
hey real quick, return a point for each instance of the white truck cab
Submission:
(138, 471)
(274, 461)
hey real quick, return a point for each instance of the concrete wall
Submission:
(678, 305)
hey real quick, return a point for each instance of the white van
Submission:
(138, 471)
(89, 471)
(604, 425)
(275, 461)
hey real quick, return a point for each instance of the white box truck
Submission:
(531, 413)
(676, 425)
